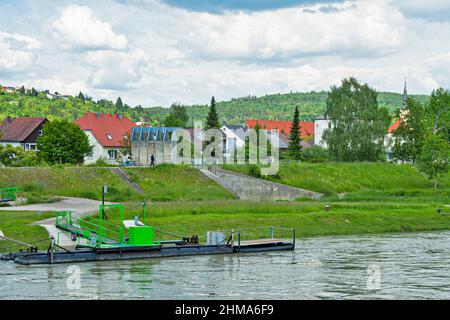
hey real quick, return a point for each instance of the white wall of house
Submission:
(101, 152)
(14, 144)
(320, 125)
(233, 141)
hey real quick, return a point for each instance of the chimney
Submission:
(99, 115)
(120, 116)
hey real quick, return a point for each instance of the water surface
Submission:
(411, 266)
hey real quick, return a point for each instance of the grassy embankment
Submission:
(17, 225)
(379, 182)
(309, 219)
(163, 183)
(379, 198)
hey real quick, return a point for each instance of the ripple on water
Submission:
(412, 266)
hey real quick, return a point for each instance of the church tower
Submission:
(405, 98)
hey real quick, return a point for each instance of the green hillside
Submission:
(235, 111)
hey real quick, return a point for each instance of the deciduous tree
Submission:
(177, 117)
(63, 142)
(409, 136)
(435, 157)
(358, 124)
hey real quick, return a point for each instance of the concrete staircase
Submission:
(248, 188)
(122, 175)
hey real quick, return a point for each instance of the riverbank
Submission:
(359, 181)
(309, 218)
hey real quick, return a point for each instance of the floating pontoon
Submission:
(96, 239)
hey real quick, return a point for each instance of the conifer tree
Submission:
(212, 121)
(295, 149)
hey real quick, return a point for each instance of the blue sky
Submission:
(156, 52)
(219, 6)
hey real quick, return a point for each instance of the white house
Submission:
(22, 132)
(320, 125)
(107, 133)
(234, 138)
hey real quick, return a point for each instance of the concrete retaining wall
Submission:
(249, 188)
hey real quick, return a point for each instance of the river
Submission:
(394, 266)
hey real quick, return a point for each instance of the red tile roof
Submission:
(18, 129)
(307, 127)
(104, 126)
(394, 126)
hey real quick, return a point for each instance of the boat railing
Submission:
(259, 233)
(170, 232)
(104, 230)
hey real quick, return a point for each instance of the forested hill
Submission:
(235, 111)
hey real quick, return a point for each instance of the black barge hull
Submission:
(134, 253)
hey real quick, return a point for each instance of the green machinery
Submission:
(100, 232)
(8, 194)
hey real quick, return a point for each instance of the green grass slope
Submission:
(163, 183)
(176, 183)
(360, 181)
(18, 226)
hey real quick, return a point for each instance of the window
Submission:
(109, 136)
(112, 154)
(40, 132)
(30, 147)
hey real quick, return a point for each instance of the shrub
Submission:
(17, 157)
(315, 154)
(254, 171)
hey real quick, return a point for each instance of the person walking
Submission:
(152, 160)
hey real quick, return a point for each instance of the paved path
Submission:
(78, 207)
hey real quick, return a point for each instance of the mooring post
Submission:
(293, 237)
(232, 238)
(271, 232)
(239, 241)
(52, 241)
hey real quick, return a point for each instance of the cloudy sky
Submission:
(155, 52)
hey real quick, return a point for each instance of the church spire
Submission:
(405, 97)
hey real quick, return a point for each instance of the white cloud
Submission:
(63, 85)
(116, 70)
(355, 29)
(151, 53)
(307, 78)
(16, 51)
(78, 28)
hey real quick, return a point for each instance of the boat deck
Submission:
(147, 252)
(261, 242)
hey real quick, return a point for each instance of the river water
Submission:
(394, 266)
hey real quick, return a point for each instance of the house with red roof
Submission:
(22, 132)
(284, 127)
(107, 134)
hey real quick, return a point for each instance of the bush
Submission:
(101, 163)
(315, 154)
(254, 171)
(17, 157)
